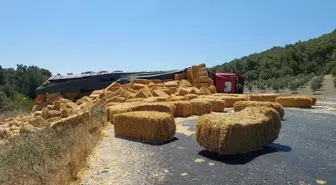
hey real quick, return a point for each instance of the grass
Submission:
(48, 156)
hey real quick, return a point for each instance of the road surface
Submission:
(304, 153)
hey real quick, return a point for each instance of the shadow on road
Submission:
(247, 157)
(149, 143)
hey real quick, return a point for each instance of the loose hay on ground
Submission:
(238, 106)
(238, 132)
(146, 126)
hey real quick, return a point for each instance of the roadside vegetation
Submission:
(17, 88)
(49, 156)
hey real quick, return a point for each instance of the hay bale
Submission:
(126, 94)
(146, 126)
(200, 106)
(57, 105)
(37, 114)
(117, 109)
(190, 96)
(157, 106)
(160, 93)
(150, 99)
(205, 91)
(182, 91)
(45, 113)
(184, 83)
(140, 81)
(46, 83)
(177, 98)
(180, 76)
(50, 96)
(239, 132)
(194, 90)
(183, 108)
(113, 86)
(53, 113)
(217, 105)
(173, 90)
(115, 99)
(263, 97)
(161, 99)
(64, 113)
(212, 89)
(171, 84)
(40, 98)
(295, 101)
(231, 100)
(145, 92)
(134, 100)
(241, 105)
(138, 86)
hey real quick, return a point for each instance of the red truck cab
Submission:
(228, 82)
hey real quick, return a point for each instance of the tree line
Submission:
(17, 86)
(290, 66)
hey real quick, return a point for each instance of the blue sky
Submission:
(79, 35)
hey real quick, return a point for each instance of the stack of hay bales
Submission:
(241, 105)
(198, 76)
(146, 126)
(238, 132)
(295, 101)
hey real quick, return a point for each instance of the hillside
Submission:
(302, 60)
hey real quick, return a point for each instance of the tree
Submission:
(293, 86)
(275, 86)
(308, 58)
(250, 87)
(316, 84)
(261, 86)
(333, 72)
(2, 77)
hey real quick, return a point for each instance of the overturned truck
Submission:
(74, 87)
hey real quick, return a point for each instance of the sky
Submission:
(134, 35)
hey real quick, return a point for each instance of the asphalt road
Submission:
(304, 153)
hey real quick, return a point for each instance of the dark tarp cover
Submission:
(94, 82)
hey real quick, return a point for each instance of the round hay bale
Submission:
(263, 97)
(183, 108)
(201, 106)
(295, 101)
(145, 126)
(217, 105)
(238, 132)
(241, 105)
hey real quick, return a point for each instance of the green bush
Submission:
(334, 82)
(316, 84)
(293, 86)
(275, 86)
(250, 87)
